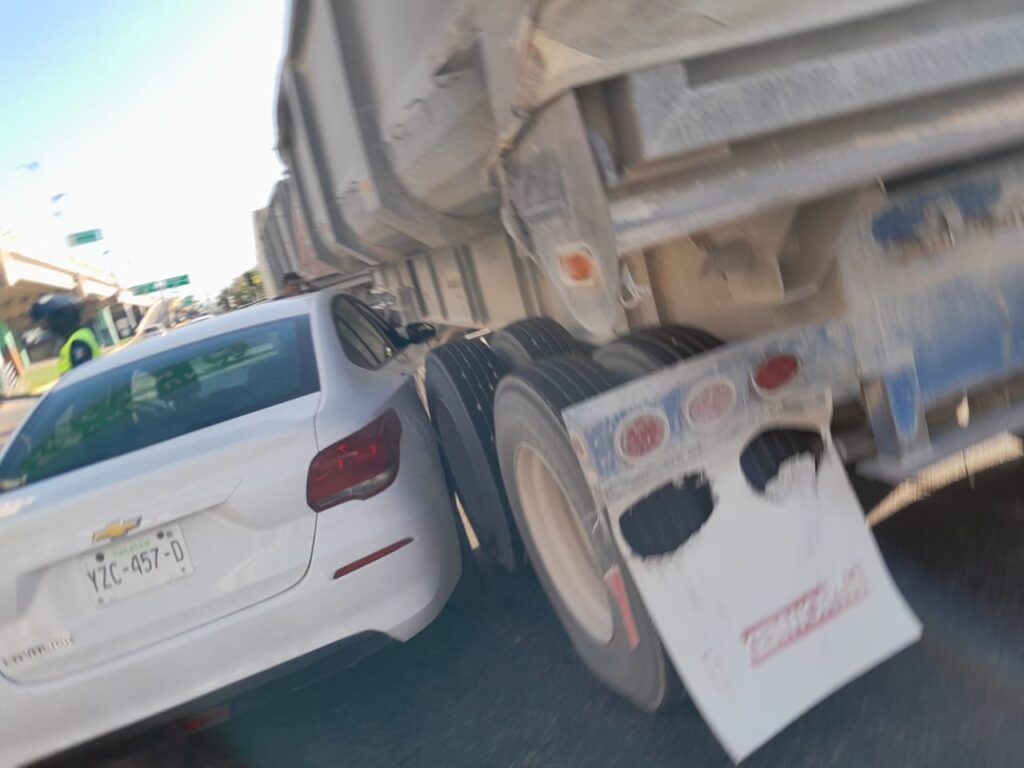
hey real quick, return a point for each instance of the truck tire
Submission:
(460, 382)
(577, 563)
(535, 338)
(646, 350)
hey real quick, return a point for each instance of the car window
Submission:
(143, 387)
(162, 397)
(364, 336)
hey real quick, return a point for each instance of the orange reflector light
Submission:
(577, 266)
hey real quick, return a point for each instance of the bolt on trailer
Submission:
(785, 235)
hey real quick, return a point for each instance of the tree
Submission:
(245, 289)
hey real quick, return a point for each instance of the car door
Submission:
(378, 370)
(160, 495)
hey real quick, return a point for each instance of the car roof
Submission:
(246, 317)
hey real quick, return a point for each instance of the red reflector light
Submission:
(204, 720)
(357, 467)
(642, 435)
(371, 558)
(710, 403)
(613, 579)
(776, 372)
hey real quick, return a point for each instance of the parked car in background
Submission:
(268, 474)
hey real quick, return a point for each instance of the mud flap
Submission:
(781, 597)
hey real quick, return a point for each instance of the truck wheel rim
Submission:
(562, 544)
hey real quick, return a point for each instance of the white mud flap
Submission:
(781, 597)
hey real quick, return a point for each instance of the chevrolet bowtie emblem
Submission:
(116, 530)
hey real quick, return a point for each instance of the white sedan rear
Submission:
(193, 511)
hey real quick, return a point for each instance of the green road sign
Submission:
(159, 285)
(83, 238)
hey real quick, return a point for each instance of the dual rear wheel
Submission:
(565, 536)
(497, 408)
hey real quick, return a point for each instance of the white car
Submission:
(204, 507)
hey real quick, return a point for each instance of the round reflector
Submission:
(576, 266)
(641, 435)
(709, 403)
(776, 372)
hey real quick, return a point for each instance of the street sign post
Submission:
(159, 285)
(84, 238)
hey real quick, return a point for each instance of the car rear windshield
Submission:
(162, 397)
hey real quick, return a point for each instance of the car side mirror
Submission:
(418, 333)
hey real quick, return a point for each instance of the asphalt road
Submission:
(493, 682)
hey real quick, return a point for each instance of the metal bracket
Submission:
(557, 194)
(896, 412)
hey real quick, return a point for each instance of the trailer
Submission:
(711, 258)
(283, 246)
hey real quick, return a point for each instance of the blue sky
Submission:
(154, 117)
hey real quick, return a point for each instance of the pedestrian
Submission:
(62, 316)
(292, 285)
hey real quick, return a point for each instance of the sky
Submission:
(154, 119)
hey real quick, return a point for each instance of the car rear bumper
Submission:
(176, 725)
(396, 596)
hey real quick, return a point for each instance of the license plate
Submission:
(135, 565)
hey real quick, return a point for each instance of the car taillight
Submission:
(357, 467)
(776, 373)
